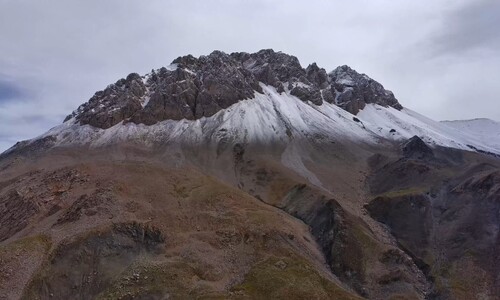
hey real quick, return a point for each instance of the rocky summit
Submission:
(191, 88)
(246, 176)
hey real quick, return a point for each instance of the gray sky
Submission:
(440, 57)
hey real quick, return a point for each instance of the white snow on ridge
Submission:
(407, 123)
(485, 130)
(267, 117)
(172, 67)
(271, 117)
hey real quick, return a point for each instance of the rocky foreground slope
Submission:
(247, 176)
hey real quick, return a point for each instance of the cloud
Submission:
(471, 27)
(9, 91)
(438, 57)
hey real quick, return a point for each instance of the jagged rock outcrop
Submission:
(353, 90)
(192, 88)
(117, 102)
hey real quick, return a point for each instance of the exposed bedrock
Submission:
(192, 88)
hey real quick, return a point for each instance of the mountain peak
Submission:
(191, 88)
(355, 90)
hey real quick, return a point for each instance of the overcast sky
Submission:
(439, 57)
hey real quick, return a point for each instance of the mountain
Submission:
(245, 175)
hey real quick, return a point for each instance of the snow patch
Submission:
(172, 67)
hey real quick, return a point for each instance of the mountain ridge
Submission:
(483, 129)
(273, 196)
(194, 87)
(174, 93)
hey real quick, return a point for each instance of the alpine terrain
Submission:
(247, 176)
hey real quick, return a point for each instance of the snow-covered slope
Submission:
(485, 130)
(260, 98)
(407, 123)
(268, 117)
(277, 118)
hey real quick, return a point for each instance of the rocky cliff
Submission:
(191, 88)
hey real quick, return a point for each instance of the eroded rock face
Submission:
(117, 102)
(191, 88)
(15, 212)
(408, 216)
(448, 225)
(92, 260)
(353, 90)
(349, 248)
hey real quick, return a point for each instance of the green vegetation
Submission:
(32, 248)
(289, 277)
(404, 192)
(178, 280)
(369, 246)
(160, 279)
(364, 237)
(181, 191)
(39, 243)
